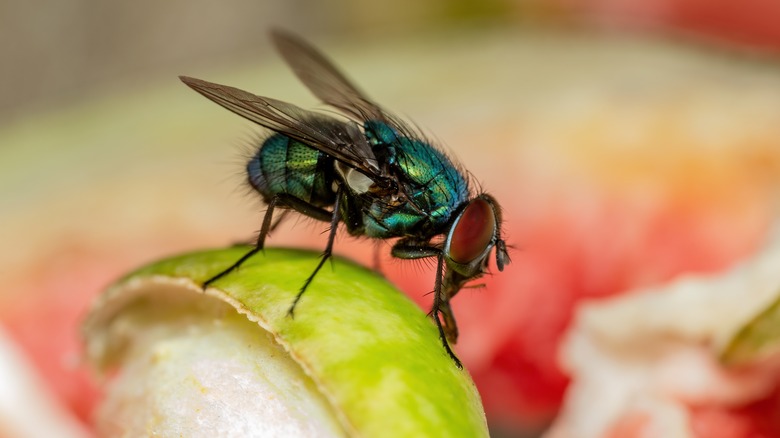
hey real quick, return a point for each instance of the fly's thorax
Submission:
(429, 188)
(435, 186)
(286, 166)
(379, 133)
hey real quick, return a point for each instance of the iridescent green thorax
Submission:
(435, 185)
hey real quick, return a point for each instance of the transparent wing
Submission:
(331, 86)
(323, 78)
(341, 140)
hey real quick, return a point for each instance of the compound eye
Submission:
(473, 233)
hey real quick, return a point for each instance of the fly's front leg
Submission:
(281, 200)
(452, 283)
(437, 306)
(448, 331)
(450, 326)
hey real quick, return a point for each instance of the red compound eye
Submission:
(473, 232)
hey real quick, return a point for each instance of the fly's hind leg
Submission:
(281, 200)
(279, 219)
(258, 245)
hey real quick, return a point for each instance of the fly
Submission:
(369, 171)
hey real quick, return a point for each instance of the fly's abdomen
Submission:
(287, 166)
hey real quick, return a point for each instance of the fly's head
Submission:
(474, 233)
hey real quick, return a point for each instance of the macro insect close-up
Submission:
(331, 256)
(370, 171)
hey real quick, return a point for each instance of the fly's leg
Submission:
(451, 327)
(274, 225)
(258, 245)
(281, 200)
(451, 285)
(334, 223)
(278, 220)
(441, 310)
(438, 301)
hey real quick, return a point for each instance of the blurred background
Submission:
(628, 143)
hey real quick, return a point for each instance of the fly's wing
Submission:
(342, 141)
(323, 78)
(326, 82)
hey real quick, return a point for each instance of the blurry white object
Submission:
(650, 354)
(27, 408)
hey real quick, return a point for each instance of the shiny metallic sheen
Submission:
(370, 171)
